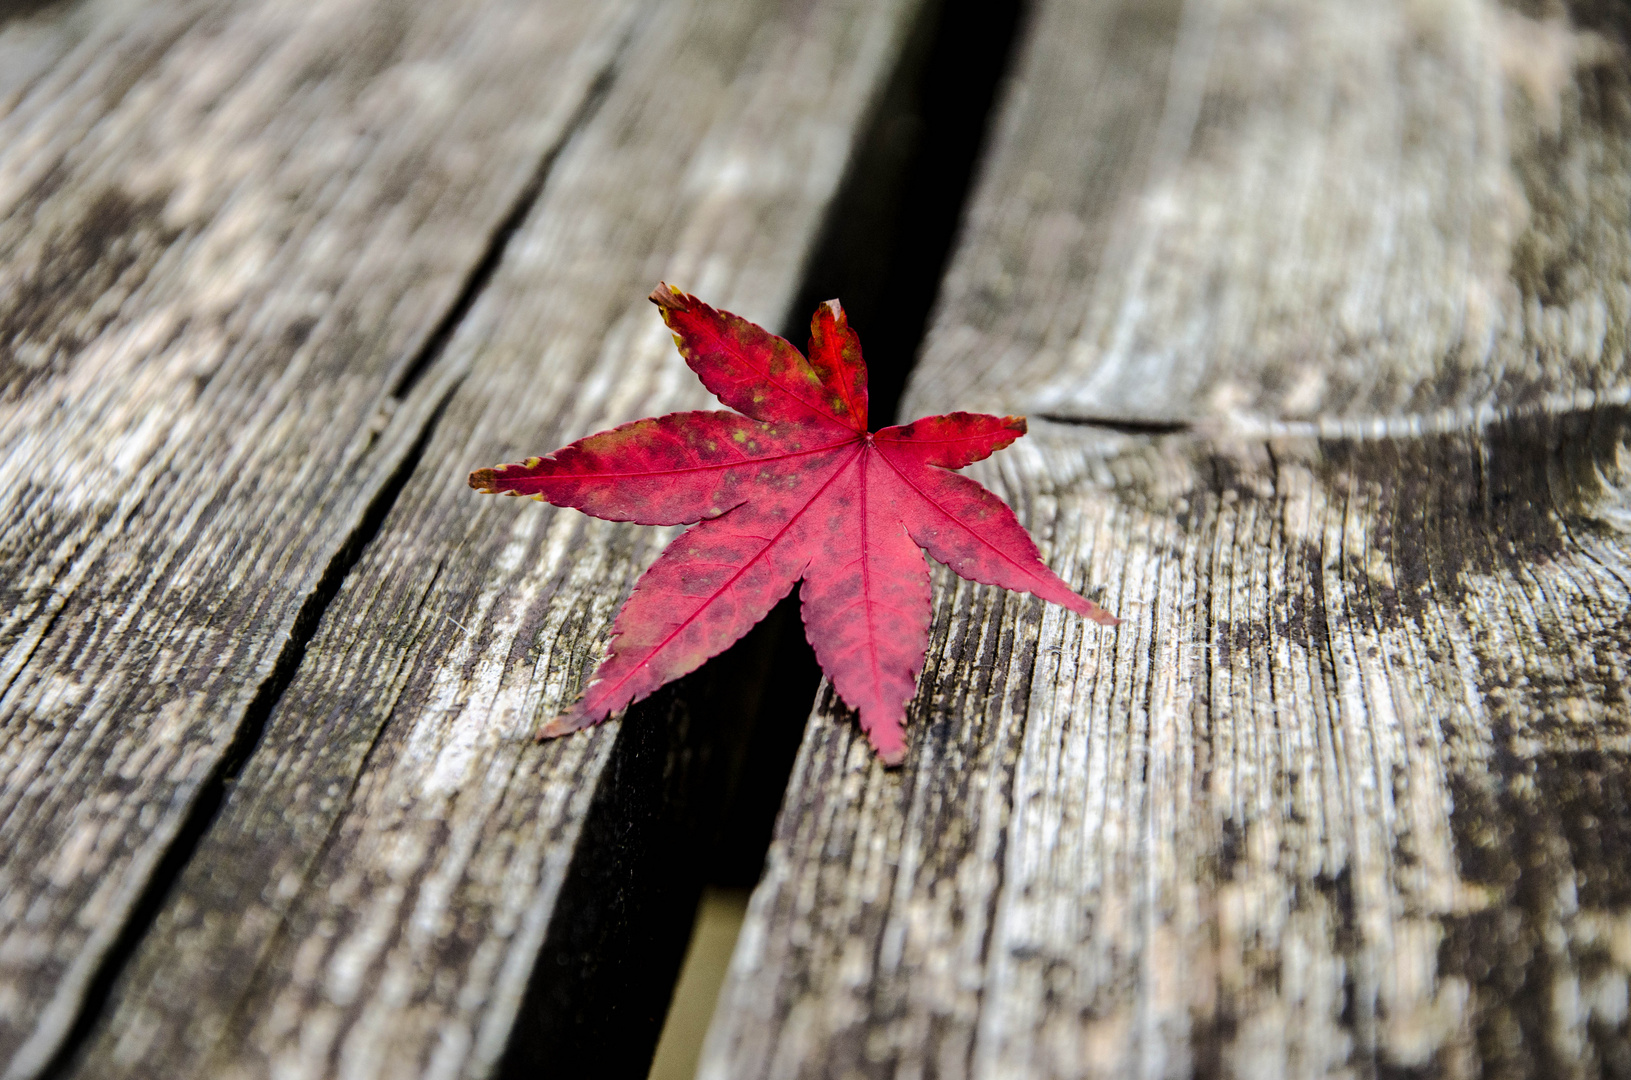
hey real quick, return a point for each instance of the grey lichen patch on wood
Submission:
(226, 232)
(1347, 792)
(384, 875)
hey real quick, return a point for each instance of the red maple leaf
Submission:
(791, 486)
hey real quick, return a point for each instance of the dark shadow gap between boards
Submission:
(696, 779)
(883, 253)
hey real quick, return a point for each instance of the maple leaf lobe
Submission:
(835, 356)
(744, 365)
(789, 488)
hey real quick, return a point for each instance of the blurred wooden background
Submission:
(1319, 310)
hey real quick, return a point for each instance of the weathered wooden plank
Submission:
(1347, 792)
(386, 873)
(1466, 163)
(226, 234)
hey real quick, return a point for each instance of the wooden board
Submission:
(1248, 213)
(1348, 792)
(228, 234)
(382, 892)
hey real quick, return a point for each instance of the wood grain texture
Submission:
(1348, 792)
(1360, 210)
(380, 894)
(226, 234)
